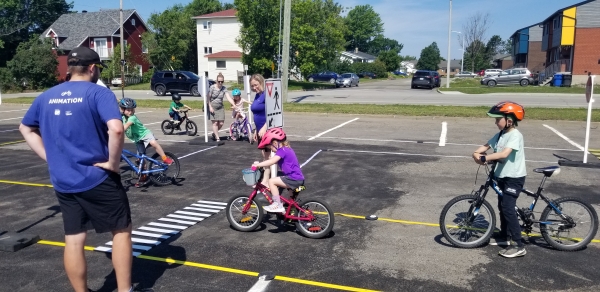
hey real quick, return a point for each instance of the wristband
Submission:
(482, 158)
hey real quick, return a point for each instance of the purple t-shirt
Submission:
(258, 110)
(289, 163)
(72, 121)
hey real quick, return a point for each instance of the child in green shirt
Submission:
(175, 106)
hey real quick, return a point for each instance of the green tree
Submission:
(382, 44)
(507, 47)
(391, 59)
(363, 26)
(34, 64)
(172, 41)
(316, 34)
(430, 58)
(407, 58)
(20, 20)
(475, 59)
(114, 64)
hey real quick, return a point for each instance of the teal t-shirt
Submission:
(176, 105)
(514, 164)
(136, 131)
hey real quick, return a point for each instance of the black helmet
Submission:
(127, 103)
(175, 96)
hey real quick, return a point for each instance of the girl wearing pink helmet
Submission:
(285, 157)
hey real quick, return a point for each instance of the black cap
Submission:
(82, 56)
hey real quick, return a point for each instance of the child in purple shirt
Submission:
(285, 157)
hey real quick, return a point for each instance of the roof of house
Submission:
(359, 55)
(219, 14)
(453, 64)
(77, 27)
(565, 8)
(520, 29)
(225, 54)
(502, 56)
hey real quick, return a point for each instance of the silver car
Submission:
(464, 74)
(347, 79)
(519, 76)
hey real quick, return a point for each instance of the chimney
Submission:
(83, 11)
(356, 50)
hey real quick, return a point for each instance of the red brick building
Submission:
(100, 32)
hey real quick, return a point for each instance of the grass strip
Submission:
(532, 113)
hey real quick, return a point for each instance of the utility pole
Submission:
(449, 37)
(279, 42)
(287, 12)
(122, 49)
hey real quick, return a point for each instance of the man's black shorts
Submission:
(104, 208)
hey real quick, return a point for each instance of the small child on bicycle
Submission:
(140, 135)
(176, 105)
(238, 107)
(285, 157)
(510, 172)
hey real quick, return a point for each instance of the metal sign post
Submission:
(274, 103)
(248, 91)
(589, 96)
(203, 85)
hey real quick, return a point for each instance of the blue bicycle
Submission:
(158, 172)
(567, 224)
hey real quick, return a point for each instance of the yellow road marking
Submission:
(228, 270)
(13, 142)
(25, 183)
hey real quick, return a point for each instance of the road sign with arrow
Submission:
(274, 103)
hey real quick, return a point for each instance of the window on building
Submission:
(556, 23)
(221, 65)
(144, 49)
(207, 25)
(133, 21)
(207, 50)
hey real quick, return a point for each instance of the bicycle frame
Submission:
(126, 154)
(491, 182)
(291, 204)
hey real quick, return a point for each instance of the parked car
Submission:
(347, 79)
(519, 76)
(436, 77)
(369, 75)
(326, 76)
(116, 82)
(424, 78)
(492, 72)
(175, 81)
(465, 74)
(400, 73)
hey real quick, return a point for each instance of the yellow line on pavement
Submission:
(228, 270)
(25, 183)
(13, 142)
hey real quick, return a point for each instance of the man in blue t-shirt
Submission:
(76, 127)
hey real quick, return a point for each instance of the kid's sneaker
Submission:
(168, 161)
(274, 208)
(513, 252)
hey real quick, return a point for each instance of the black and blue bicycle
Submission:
(567, 224)
(153, 168)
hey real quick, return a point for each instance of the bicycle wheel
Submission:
(574, 232)
(233, 131)
(463, 232)
(249, 134)
(191, 128)
(166, 176)
(322, 225)
(167, 127)
(240, 220)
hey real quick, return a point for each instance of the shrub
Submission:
(146, 76)
(7, 81)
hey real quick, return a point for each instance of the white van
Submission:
(492, 72)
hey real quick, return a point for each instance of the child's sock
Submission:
(277, 199)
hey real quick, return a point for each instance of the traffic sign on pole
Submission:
(274, 103)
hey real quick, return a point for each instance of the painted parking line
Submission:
(228, 270)
(11, 119)
(25, 183)
(12, 142)
(336, 127)
(443, 134)
(19, 110)
(564, 137)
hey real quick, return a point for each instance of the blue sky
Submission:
(415, 23)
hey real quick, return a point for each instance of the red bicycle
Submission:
(313, 218)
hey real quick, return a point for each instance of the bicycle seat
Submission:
(548, 171)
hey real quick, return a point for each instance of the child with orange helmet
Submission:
(285, 157)
(510, 172)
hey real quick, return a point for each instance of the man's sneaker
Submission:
(513, 252)
(501, 241)
(274, 208)
(168, 161)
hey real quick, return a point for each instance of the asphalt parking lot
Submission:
(393, 167)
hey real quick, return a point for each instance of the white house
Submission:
(218, 51)
(357, 56)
